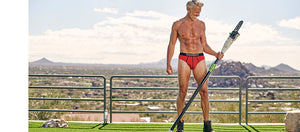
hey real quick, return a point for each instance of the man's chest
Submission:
(189, 30)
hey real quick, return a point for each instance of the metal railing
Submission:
(116, 77)
(281, 89)
(169, 100)
(71, 99)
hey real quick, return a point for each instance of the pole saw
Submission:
(232, 37)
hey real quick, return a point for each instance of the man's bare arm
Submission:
(171, 47)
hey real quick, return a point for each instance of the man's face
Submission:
(195, 12)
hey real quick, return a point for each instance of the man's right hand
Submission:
(169, 69)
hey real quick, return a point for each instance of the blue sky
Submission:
(59, 14)
(137, 31)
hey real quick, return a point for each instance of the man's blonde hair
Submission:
(192, 3)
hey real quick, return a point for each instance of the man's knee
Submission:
(204, 92)
(182, 94)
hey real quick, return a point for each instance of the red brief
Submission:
(191, 59)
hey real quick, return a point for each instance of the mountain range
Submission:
(225, 67)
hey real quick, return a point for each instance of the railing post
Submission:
(110, 99)
(104, 109)
(240, 99)
(247, 100)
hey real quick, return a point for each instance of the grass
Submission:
(147, 127)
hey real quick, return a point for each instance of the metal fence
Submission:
(71, 99)
(169, 100)
(257, 89)
(116, 77)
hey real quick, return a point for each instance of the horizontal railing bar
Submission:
(236, 77)
(59, 87)
(273, 100)
(169, 88)
(171, 100)
(274, 89)
(58, 75)
(150, 88)
(50, 110)
(273, 77)
(144, 76)
(164, 76)
(266, 112)
(73, 99)
(190, 112)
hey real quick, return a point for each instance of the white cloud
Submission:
(107, 10)
(293, 23)
(143, 36)
(129, 39)
(251, 33)
(152, 14)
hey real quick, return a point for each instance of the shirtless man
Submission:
(191, 34)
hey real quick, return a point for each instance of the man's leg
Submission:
(199, 73)
(184, 73)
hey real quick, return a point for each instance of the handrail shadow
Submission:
(246, 128)
(103, 125)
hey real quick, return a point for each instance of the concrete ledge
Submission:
(292, 121)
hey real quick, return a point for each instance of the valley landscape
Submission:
(224, 68)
